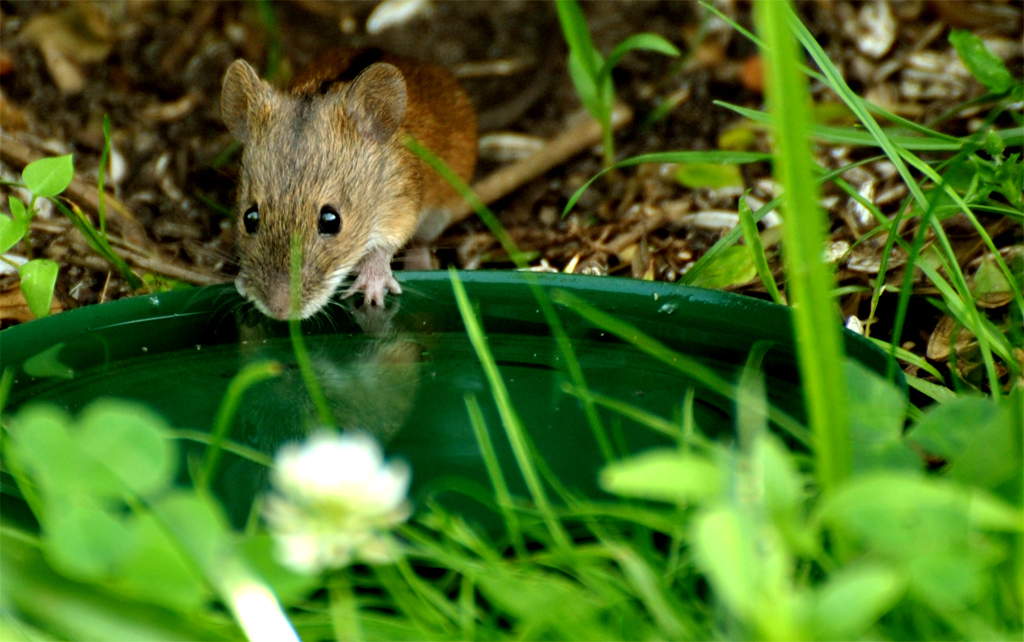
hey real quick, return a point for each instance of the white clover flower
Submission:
(336, 500)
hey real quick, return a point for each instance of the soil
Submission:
(155, 68)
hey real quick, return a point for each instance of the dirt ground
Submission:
(155, 68)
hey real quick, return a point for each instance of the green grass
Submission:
(591, 73)
(844, 535)
(809, 280)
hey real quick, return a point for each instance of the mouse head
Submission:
(327, 167)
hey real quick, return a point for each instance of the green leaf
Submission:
(990, 282)
(38, 278)
(711, 175)
(574, 27)
(753, 241)
(949, 582)
(586, 88)
(734, 266)
(984, 65)
(47, 453)
(1009, 181)
(154, 569)
(784, 494)
(11, 231)
(83, 541)
(544, 601)
(76, 611)
(104, 457)
(724, 550)
(877, 411)
(853, 600)
(647, 41)
(976, 436)
(48, 176)
(198, 526)
(18, 209)
(905, 515)
(663, 475)
(783, 487)
(128, 438)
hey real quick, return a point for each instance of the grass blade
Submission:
(692, 367)
(96, 240)
(249, 376)
(509, 417)
(316, 393)
(753, 239)
(572, 364)
(809, 280)
(714, 156)
(501, 494)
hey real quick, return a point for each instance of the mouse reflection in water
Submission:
(369, 380)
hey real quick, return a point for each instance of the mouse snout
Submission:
(278, 298)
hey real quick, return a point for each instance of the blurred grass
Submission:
(809, 279)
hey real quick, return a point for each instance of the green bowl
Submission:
(404, 373)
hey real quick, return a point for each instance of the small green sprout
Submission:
(46, 178)
(591, 73)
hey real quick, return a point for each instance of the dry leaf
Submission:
(75, 35)
(14, 308)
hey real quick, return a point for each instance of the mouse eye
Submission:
(330, 221)
(251, 219)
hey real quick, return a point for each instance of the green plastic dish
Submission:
(404, 374)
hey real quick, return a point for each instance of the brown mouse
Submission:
(325, 160)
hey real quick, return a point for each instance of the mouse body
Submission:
(325, 162)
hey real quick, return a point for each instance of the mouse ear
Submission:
(242, 95)
(377, 100)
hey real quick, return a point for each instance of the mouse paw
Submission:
(375, 279)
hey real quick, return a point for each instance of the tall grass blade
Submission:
(692, 367)
(247, 377)
(809, 284)
(572, 364)
(101, 196)
(316, 393)
(713, 156)
(96, 240)
(501, 494)
(900, 158)
(509, 417)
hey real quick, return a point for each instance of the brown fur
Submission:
(335, 137)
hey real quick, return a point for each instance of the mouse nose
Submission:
(279, 299)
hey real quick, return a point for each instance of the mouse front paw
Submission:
(375, 279)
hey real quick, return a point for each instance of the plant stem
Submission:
(316, 393)
(249, 376)
(608, 143)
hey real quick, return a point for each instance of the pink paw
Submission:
(374, 281)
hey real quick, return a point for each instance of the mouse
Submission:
(324, 161)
